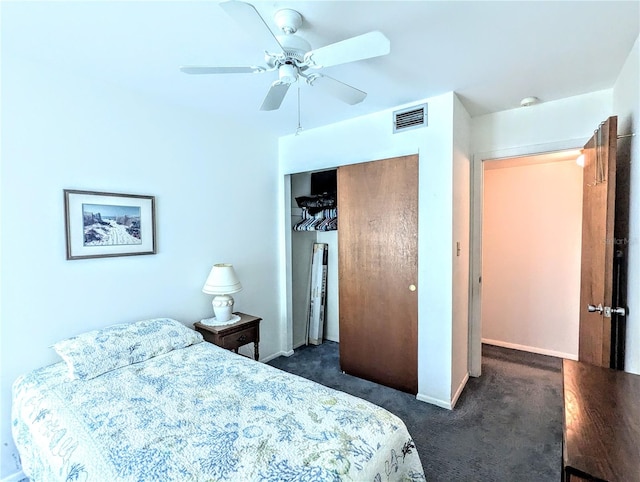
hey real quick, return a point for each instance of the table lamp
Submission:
(222, 281)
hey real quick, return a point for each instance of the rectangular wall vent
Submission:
(410, 118)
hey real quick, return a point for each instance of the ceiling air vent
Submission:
(410, 118)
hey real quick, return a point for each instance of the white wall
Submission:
(301, 254)
(531, 242)
(461, 235)
(61, 131)
(370, 138)
(626, 105)
(570, 121)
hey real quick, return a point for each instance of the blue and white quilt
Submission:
(201, 413)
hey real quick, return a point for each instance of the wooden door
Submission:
(378, 271)
(597, 287)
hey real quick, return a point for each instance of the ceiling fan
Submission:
(293, 57)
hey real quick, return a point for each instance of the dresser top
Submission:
(601, 422)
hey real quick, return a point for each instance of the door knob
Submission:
(614, 311)
(608, 311)
(593, 309)
(412, 287)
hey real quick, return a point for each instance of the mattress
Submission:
(201, 413)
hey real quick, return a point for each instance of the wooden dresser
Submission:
(601, 436)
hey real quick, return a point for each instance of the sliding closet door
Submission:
(378, 271)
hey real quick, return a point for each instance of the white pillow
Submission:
(96, 352)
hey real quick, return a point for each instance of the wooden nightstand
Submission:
(233, 336)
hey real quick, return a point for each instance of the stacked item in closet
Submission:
(319, 213)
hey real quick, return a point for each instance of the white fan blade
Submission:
(275, 96)
(372, 44)
(250, 20)
(196, 69)
(338, 89)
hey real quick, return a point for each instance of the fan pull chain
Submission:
(299, 129)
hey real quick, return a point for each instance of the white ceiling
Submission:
(491, 53)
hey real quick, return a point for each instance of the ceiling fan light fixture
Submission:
(287, 74)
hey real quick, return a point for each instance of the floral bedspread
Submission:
(202, 413)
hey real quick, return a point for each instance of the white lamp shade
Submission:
(222, 280)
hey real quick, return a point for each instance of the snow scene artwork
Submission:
(101, 224)
(106, 224)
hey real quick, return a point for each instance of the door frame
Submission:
(475, 255)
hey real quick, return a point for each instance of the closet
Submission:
(378, 271)
(372, 307)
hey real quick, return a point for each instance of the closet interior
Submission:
(314, 219)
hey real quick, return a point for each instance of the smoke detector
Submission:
(527, 101)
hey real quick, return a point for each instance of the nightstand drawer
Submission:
(239, 338)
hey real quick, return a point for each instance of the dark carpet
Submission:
(506, 426)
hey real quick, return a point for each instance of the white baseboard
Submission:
(276, 355)
(434, 401)
(444, 403)
(16, 477)
(530, 349)
(456, 395)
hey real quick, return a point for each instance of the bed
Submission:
(151, 401)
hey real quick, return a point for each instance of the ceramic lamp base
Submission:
(222, 307)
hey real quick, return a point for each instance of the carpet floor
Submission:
(506, 426)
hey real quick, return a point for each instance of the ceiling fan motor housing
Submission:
(293, 46)
(291, 61)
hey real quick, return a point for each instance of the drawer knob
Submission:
(242, 338)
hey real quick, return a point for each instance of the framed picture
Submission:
(104, 224)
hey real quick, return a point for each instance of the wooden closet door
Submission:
(378, 271)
